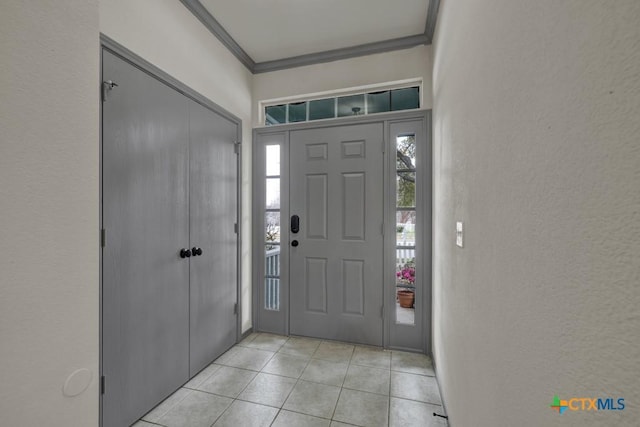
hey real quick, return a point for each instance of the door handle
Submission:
(295, 224)
(294, 243)
(196, 251)
(185, 253)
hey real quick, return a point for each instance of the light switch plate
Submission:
(459, 234)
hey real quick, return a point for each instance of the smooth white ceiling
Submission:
(276, 29)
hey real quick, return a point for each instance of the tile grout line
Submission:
(292, 388)
(351, 362)
(222, 413)
(267, 373)
(297, 382)
(253, 379)
(167, 411)
(342, 386)
(245, 387)
(149, 422)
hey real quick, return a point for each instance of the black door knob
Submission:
(196, 251)
(294, 243)
(185, 253)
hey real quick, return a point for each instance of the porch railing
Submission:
(272, 274)
(272, 279)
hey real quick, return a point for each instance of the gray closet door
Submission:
(336, 268)
(146, 217)
(214, 212)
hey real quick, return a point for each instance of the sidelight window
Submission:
(405, 146)
(272, 228)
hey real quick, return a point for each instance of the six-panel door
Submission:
(336, 183)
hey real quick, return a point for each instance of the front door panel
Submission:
(336, 267)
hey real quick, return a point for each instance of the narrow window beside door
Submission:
(405, 228)
(272, 228)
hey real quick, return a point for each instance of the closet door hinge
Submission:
(382, 311)
(236, 147)
(107, 86)
(235, 228)
(235, 308)
(103, 237)
(102, 384)
(382, 228)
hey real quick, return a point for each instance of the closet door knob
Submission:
(196, 251)
(185, 253)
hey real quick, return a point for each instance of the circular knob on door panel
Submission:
(294, 243)
(185, 253)
(196, 251)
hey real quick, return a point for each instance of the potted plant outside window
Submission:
(405, 279)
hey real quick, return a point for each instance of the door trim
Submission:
(397, 334)
(106, 43)
(116, 48)
(280, 133)
(348, 120)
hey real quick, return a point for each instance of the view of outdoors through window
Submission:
(272, 229)
(405, 228)
(405, 264)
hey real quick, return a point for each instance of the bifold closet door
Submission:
(145, 329)
(213, 213)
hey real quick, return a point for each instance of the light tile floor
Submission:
(272, 380)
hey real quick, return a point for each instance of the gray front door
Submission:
(336, 189)
(214, 211)
(145, 301)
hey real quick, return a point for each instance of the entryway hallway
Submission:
(273, 380)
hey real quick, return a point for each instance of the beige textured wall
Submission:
(537, 150)
(49, 71)
(346, 73)
(166, 34)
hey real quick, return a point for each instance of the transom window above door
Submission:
(372, 100)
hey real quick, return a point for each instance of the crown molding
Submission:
(203, 15)
(432, 18)
(201, 12)
(342, 53)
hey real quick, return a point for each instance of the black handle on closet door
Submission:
(196, 251)
(185, 253)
